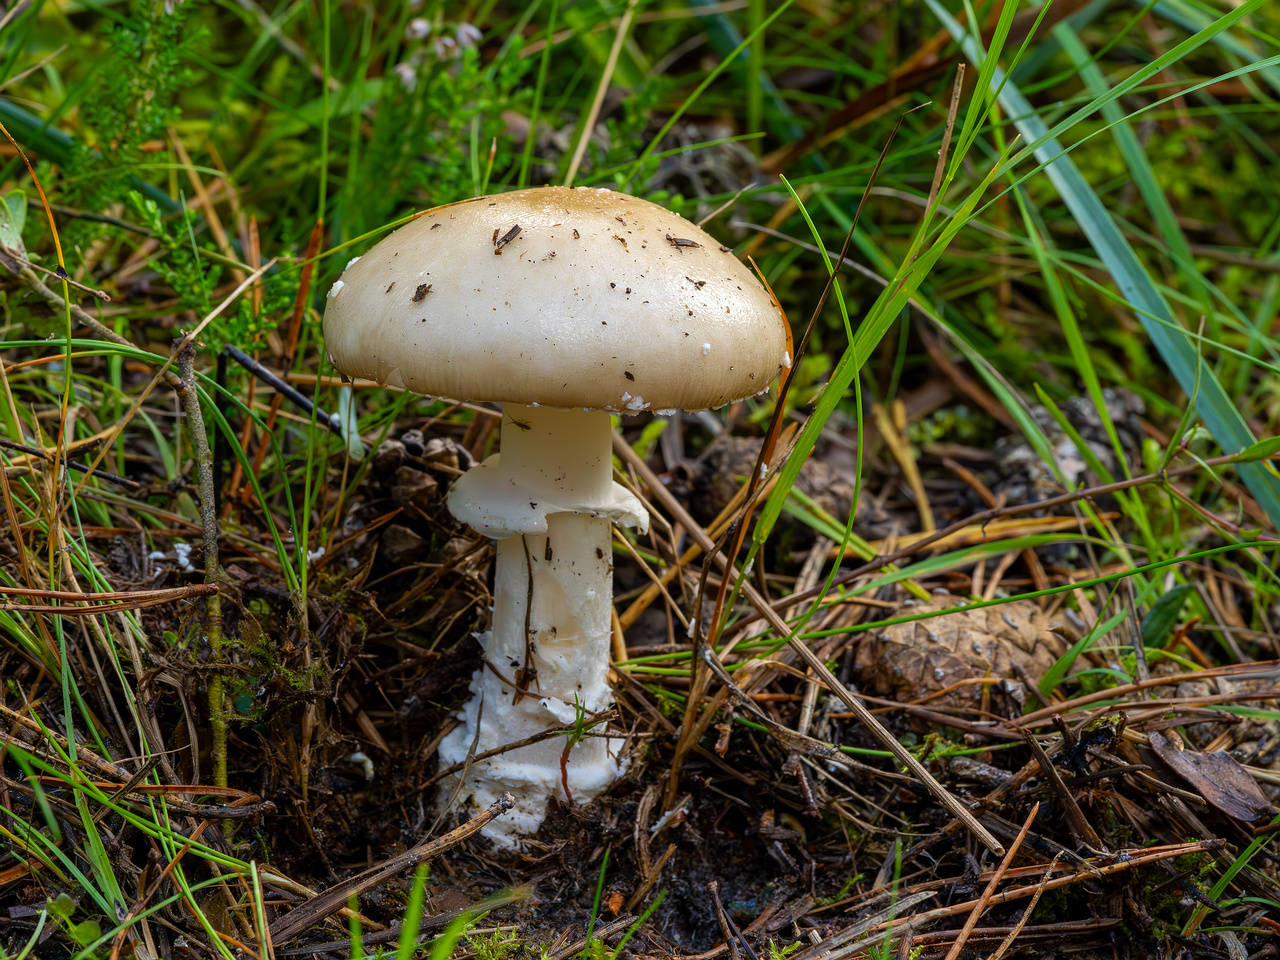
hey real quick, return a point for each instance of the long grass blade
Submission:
(1220, 414)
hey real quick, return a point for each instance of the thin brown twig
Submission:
(820, 670)
(985, 516)
(983, 901)
(730, 940)
(162, 595)
(589, 123)
(461, 765)
(1080, 827)
(335, 898)
(1102, 867)
(291, 346)
(940, 169)
(209, 538)
(1026, 914)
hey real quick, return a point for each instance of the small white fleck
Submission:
(751, 565)
(535, 404)
(636, 404)
(363, 760)
(336, 288)
(314, 555)
(182, 553)
(666, 413)
(625, 396)
(408, 75)
(706, 348)
(350, 262)
(786, 359)
(764, 470)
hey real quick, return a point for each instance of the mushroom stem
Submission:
(548, 499)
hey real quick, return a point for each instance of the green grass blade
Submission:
(1187, 17)
(1220, 414)
(1136, 158)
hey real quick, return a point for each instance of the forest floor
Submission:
(996, 669)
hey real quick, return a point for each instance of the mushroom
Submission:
(566, 305)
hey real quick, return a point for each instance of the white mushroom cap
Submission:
(557, 297)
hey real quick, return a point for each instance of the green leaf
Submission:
(61, 906)
(1260, 450)
(1058, 672)
(879, 318)
(85, 932)
(13, 217)
(442, 947)
(1186, 16)
(1164, 613)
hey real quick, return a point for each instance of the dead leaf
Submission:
(1218, 777)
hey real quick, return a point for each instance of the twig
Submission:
(1264, 668)
(1026, 914)
(1135, 858)
(16, 256)
(71, 464)
(1080, 828)
(939, 171)
(209, 523)
(651, 878)
(516, 745)
(336, 897)
(589, 124)
(291, 345)
(821, 673)
(142, 597)
(244, 805)
(733, 934)
(730, 940)
(331, 420)
(600, 933)
(996, 877)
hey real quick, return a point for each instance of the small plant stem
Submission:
(209, 522)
